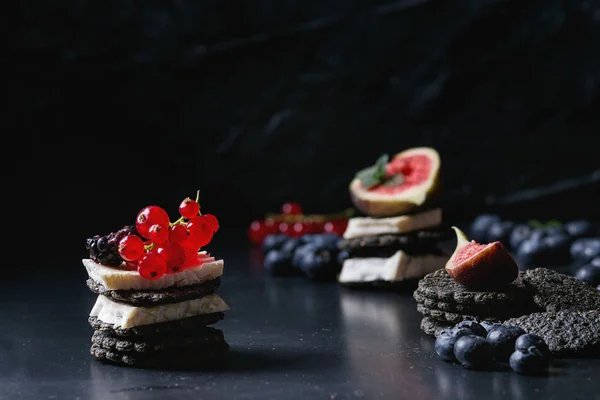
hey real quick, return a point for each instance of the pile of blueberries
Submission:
(315, 256)
(487, 344)
(574, 243)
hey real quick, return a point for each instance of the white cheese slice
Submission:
(113, 278)
(366, 226)
(398, 267)
(126, 316)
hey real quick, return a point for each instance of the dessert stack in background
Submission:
(398, 238)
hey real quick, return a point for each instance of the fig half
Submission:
(481, 266)
(410, 180)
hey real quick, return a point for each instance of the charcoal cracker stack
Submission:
(166, 323)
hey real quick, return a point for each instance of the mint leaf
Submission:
(374, 175)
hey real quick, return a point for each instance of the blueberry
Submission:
(278, 263)
(444, 344)
(556, 248)
(322, 239)
(584, 250)
(528, 341)
(480, 227)
(519, 234)
(290, 245)
(555, 229)
(503, 338)
(589, 274)
(580, 228)
(342, 256)
(528, 362)
(488, 325)
(500, 231)
(591, 251)
(577, 247)
(273, 242)
(474, 352)
(530, 251)
(474, 326)
(595, 262)
(317, 263)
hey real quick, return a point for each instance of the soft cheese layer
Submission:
(365, 226)
(126, 316)
(398, 267)
(113, 278)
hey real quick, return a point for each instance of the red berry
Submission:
(174, 254)
(201, 232)
(338, 227)
(291, 208)
(131, 247)
(178, 233)
(148, 216)
(271, 225)
(190, 253)
(131, 265)
(152, 266)
(158, 234)
(298, 229)
(284, 228)
(189, 208)
(257, 232)
(212, 222)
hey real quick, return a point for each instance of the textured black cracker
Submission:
(432, 327)
(172, 342)
(179, 325)
(201, 358)
(554, 291)
(478, 310)
(419, 242)
(567, 333)
(151, 298)
(453, 318)
(440, 286)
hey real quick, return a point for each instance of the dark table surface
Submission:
(290, 339)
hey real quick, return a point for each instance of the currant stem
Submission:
(198, 201)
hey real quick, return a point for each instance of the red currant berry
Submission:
(298, 229)
(284, 228)
(271, 225)
(257, 232)
(189, 208)
(158, 234)
(190, 253)
(178, 234)
(131, 248)
(337, 227)
(152, 266)
(131, 265)
(174, 254)
(291, 209)
(211, 221)
(200, 232)
(149, 216)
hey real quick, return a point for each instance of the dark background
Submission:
(122, 104)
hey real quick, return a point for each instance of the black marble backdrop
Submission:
(126, 103)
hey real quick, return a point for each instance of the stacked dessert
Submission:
(398, 239)
(156, 292)
(482, 283)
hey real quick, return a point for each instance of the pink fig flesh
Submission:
(481, 266)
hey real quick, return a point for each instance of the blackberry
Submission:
(105, 249)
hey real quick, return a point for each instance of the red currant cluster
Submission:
(294, 223)
(169, 246)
